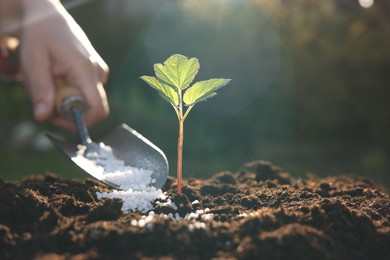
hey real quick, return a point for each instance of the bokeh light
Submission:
(366, 3)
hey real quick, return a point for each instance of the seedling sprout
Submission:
(172, 81)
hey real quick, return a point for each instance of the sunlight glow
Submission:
(366, 3)
(16, 24)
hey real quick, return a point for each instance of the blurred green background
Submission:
(309, 91)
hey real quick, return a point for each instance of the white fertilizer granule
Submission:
(137, 192)
(133, 199)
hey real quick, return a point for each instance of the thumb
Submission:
(40, 85)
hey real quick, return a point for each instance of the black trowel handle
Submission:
(71, 105)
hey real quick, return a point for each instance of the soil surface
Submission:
(258, 212)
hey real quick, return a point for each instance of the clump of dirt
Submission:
(257, 212)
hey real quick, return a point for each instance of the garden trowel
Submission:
(127, 145)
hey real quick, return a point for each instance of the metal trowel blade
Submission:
(130, 147)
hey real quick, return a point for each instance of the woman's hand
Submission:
(53, 45)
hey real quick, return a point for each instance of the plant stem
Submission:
(180, 155)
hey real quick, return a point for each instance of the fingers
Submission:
(85, 74)
(103, 71)
(86, 78)
(39, 82)
(89, 77)
(83, 68)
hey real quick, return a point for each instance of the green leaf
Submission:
(202, 90)
(177, 71)
(166, 91)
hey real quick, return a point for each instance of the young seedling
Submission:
(173, 83)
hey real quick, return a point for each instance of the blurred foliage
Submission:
(309, 86)
(341, 61)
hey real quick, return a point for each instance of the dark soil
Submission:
(259, 212)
